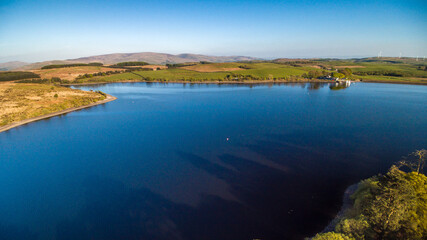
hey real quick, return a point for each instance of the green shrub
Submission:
(331, 236)
(354, 227)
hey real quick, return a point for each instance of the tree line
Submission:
(127, 64)
(316, 74)
(11, 76)
(54, 80)
(71, 65)
(389, 73)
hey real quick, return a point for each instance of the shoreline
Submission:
(395, 82)
(109, 98)
(195, 82)
(247, 82)
(347, 203)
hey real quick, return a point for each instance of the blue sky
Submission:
(45, 30)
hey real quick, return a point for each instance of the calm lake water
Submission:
(180, 161)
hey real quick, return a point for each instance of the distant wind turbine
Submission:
(379, 54)
(400, 55)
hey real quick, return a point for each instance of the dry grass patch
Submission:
(19, 101)
(70, 73)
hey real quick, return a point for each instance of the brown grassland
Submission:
(70, 73)
(19, 101)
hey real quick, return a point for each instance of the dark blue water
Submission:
(181, 161)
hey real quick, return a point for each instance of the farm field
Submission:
(210, 72)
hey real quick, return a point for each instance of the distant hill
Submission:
(406, 60)
(38, 65)
(11, 65)
(149, 57)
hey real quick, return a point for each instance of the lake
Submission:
(200, 161)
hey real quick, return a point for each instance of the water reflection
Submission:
(316, 85)
(339, 85)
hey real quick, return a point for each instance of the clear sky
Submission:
(45, 30)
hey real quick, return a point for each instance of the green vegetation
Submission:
(54, 80)
(177, 65)
(90, 75)
(102, 93)
(71, 65)
(277, 70)
(252, 71)
(404, 70)
(390, 206)
(369, 70)
(11, 76)
(332, 236)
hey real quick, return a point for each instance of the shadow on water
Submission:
(113, 211)
(316, 85)
(270, 203)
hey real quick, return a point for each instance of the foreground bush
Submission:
(332, 236)
(390, 206)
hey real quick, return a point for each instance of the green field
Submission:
(405, 70)
(251, 71)
(393, 70)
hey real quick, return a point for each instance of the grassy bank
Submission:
(19, 101)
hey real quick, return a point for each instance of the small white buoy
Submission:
(228, 139)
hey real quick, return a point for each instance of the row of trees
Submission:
(347, 72)
(71, 65)
(315, 74)
(11, 76)
(89, 75)
(135, 63)
(390, 73)
(54, 80)
(177, 65)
